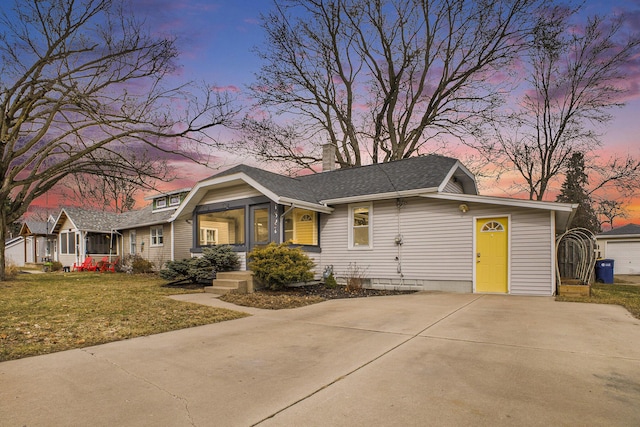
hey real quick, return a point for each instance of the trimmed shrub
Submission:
(276, 266)
(330, 281)
(175, 270)
(221, 258)
(202, 269)
(56, 266)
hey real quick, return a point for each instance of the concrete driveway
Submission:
(419, 359)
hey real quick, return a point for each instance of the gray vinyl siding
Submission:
(229, 193)
(183, 239)
(433, 250)
(437, 250)
(453, 187)
(531, 252)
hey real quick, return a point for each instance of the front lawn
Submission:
(627, 296)
(45, 313)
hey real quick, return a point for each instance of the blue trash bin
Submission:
(604, 271)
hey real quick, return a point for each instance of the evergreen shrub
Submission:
(276, 266)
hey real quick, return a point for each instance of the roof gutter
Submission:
(381, 196)
(304, 205)
(535, 204)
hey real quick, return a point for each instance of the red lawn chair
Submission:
(110, 266)
(87, 265)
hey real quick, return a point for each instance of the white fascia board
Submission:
(75, 227)
(380, 196)
(532, 204)
(305, 205)
(453, 170)
(203, 186)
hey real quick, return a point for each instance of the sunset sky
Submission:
(216, 37)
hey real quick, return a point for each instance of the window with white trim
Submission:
(156, 236)
(161, 203)
(301, 227)
(174, 200)
(132, 242)
(208, 236)
(360, 226)
(67, 243)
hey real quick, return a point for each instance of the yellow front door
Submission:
(492, 255)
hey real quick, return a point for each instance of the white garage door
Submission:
(626, 256)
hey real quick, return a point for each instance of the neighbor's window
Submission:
(98, 243)
(161, 203)
(67, 243)
(156, 236)
(301, 227)
(132, 242)
(227, 227)
(208, 236)
(174, 200)
(360, 226)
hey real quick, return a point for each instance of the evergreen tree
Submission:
(574, 191)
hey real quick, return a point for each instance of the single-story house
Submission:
(417, 223)
(148, 232)
(40, 240)
(81, 233)
(623, 246)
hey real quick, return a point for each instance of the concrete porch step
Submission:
(224, 278)
(225, 286)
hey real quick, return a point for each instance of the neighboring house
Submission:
(40, 240)
(83, 233)
(150, 233)
(14, 251)
(623, 246)
(417, 223)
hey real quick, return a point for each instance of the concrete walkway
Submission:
(410, 360)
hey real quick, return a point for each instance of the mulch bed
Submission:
(302, 295)
(339, 292)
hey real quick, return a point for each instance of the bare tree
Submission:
(380, 79)
(609, 210)
(576, 77)
(115, 189)
(79, 79)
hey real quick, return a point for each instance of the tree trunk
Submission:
(3, 235)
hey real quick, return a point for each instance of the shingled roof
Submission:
(627, 230)
(143, 217)
(89, 220)
(425, 172)
(37, 228)
(401, 175)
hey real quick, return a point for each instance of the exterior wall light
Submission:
(463, 208)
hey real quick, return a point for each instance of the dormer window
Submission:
(174, 200)
(161, 203)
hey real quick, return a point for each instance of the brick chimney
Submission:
(328, 157)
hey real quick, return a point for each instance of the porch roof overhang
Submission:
(564, 212)
(200, 189)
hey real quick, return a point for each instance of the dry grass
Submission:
(628, 296)
(45, 313)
